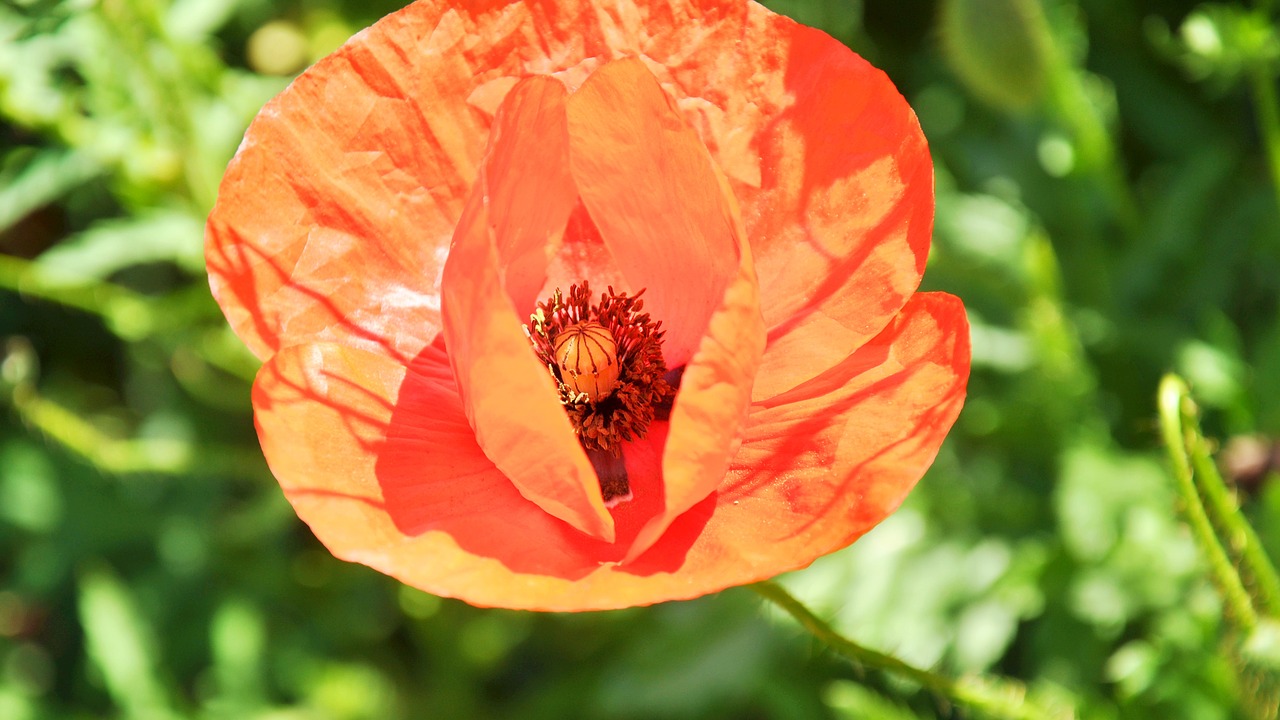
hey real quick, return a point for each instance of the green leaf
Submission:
(118, 644)
(28, 488)
(926, 600)
(238, 639)
(31, 179)
(1216, 43)
(1115, 518)
(197, 19)
(111, 246)
(1263, 644)
(852, 701)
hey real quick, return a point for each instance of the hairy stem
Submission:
(1175, 407)
(989, 696)
(1238, 538)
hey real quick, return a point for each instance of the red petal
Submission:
(650, 188)
(334, 218)
(332, 223)
(375, 459)
(383, 467)
(835, 181)
(707, 417)
(511, 398)
(530, 192)
(824, 463)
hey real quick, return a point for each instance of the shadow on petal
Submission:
(241, 269)
(435, 478)
(837, 454)
(669, 552)
(842, 221)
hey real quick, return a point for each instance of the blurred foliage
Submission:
(1107, 177)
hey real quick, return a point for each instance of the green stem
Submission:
(1175, 407)
(994, 697)
(1095, 147)
(1241, 540)
(1268, 112)
(128, 456)
(1266, 105)
(1237, 533)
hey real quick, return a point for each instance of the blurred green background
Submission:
(1107, 208)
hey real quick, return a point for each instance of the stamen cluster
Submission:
(604, 423)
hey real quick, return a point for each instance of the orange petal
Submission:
(709, 409)
(670, 221)
(374, 457)
(383, 467)
(334, 217)
(827, 461)
(582, 255)
(835, 181)
(381, 462)
(333, 223)
(649, 186)
(530, 192)
(321, 412)
(511, 398)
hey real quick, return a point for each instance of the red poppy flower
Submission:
(392, 234)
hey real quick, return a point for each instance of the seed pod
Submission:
(1001, 49)
(587, 357)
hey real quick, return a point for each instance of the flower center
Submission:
(587, 357)
(606, 359)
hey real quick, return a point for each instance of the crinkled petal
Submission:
(333, 224)
(836, 186)
(822, 464)
(381, 463)
(511, 399)
(334, 218)
(376, 456)
(321, 412)
(826, 462)
(824, 156)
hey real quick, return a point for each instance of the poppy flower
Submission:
(589, 304)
